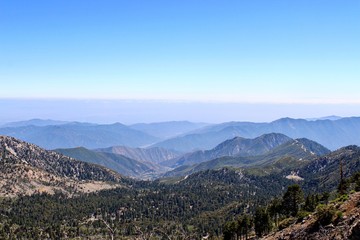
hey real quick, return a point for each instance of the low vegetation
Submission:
(280, 214)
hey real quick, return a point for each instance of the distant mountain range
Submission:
(237, 146)
(80, 134)
(291, 151)
(52, 134)
(34, 122)
(332, 134)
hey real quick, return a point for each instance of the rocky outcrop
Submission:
(26, 168)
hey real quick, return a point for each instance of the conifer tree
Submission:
(292, 200)
(262, 222)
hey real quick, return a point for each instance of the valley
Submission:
(152, 192)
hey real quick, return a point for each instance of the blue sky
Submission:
(252, 52)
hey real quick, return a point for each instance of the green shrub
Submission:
(341, 198)
(301, 215)
(287, 222)
(325, 213)
(344, 197)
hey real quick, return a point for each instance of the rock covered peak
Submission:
(25, 167)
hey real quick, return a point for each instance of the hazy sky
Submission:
(206, 52)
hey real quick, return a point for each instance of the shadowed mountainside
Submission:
(154, 155)
(119, 163)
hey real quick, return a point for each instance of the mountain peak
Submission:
(288, 119)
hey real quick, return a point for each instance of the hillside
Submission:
(154, 155)
(26, 168)
(80, 134)
(237, 146)
(346, 227)
(190, 208)
(323, 174)
(333, 134)
(119, 163)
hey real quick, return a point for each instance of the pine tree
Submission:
(292, 200)
(262, 222)
(230, 230)
(311, 202)
(342, 187)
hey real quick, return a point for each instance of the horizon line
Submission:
(322, 118)
(196, 101)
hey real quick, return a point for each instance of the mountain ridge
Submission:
(237, 146)
(333, 134)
